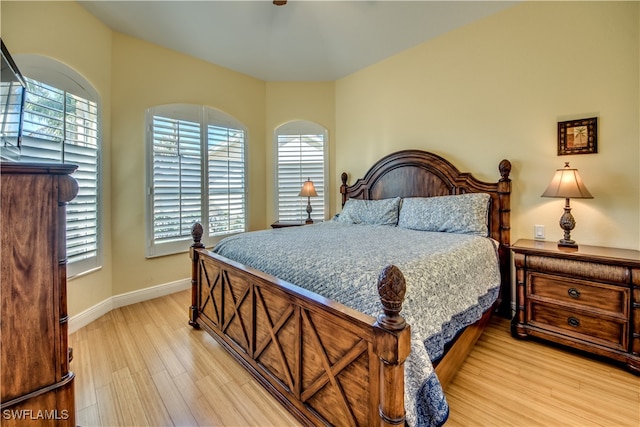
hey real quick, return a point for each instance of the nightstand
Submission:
(284, 224)
(586, 298)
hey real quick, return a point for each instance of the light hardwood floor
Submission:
(142, 365)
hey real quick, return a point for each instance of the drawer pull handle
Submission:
(572, 321)
(574, 293)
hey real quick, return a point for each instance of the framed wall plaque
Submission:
(578, 136)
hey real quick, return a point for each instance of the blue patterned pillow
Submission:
(464, 213)
(372, 212)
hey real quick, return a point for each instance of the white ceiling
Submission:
(301, 41)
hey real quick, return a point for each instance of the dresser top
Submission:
(37, 168)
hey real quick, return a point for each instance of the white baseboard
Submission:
(92, 313)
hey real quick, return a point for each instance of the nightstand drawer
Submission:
(609, 332)
(609, 298)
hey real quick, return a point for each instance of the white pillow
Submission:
(463, 213)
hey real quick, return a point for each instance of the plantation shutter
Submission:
(301, 156)
(195, 172)
(176, 177)
(226, 180)
(59, 126)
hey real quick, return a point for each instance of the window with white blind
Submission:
(301, 153)
(60, 126)
(195, 173)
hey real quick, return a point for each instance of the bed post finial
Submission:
(196, 234)
(392, 287)
(505, 169)
(343, 187)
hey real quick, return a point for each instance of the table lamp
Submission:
(567, 184)
(308, 191)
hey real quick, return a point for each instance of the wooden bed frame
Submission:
(326, 363)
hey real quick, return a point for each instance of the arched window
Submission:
(301, 154)
(195, 172)
(61, 123)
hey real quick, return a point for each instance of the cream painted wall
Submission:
(287, 101)
(496, 89)
(84, 44)
(132, 75)
(145, 75)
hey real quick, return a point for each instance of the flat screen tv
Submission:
(12, 93)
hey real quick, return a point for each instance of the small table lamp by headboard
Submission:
(567, 184)
(308, 191)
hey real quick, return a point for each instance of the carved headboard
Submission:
(417, 173)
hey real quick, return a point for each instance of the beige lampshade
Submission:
(308, 189)
(567, 184)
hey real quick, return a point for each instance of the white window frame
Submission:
(205, 117)
(301, 129)
(57, 75)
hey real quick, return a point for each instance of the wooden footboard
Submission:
(327, 363)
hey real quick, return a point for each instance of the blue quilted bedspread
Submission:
(451, 280)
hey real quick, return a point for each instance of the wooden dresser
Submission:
(588, 299)
(37, 386)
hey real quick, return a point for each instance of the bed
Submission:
(328, 337)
